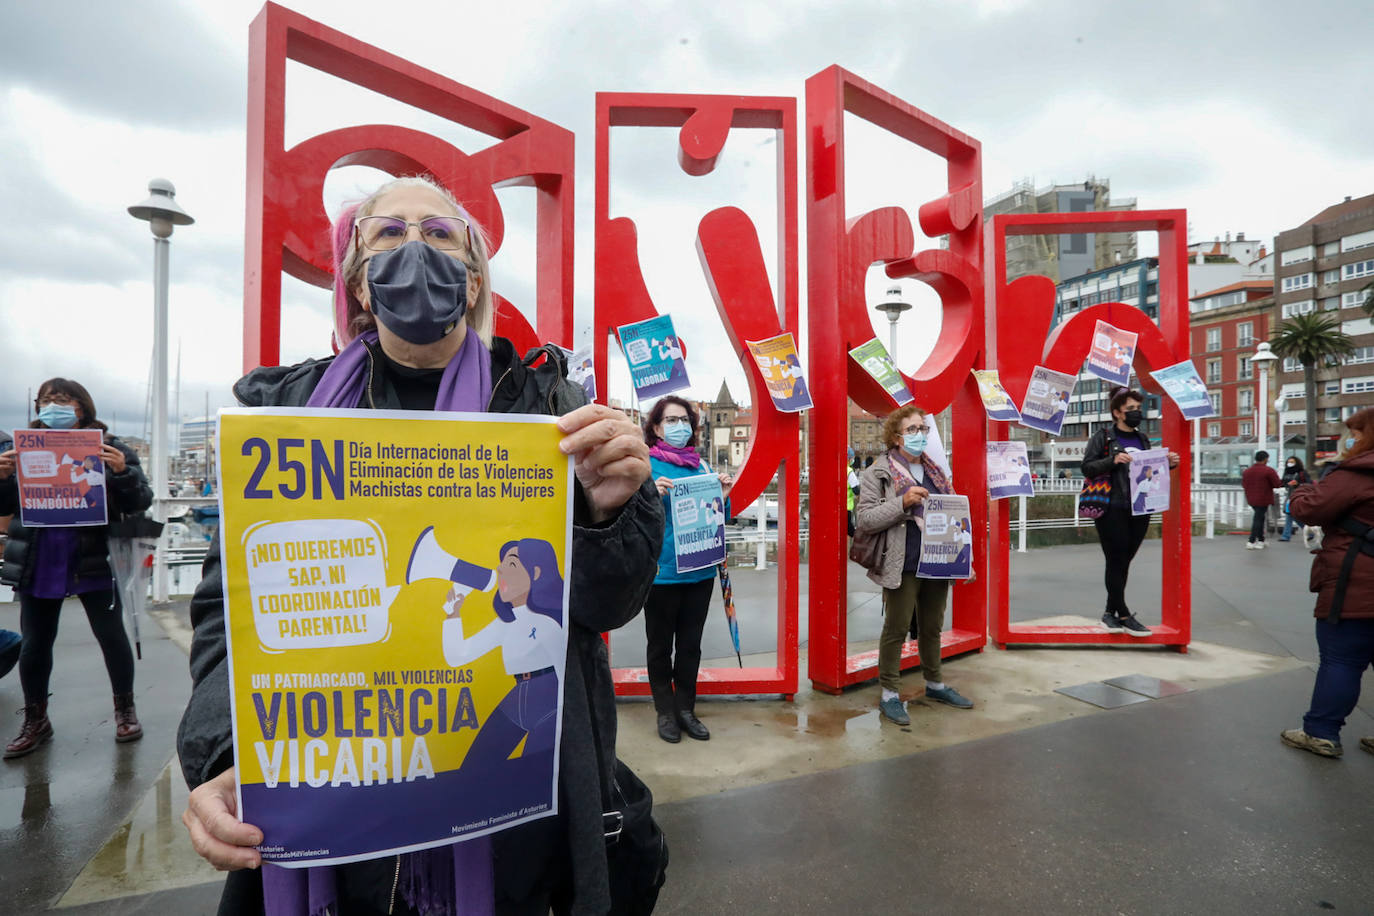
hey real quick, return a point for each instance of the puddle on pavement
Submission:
(149, 852)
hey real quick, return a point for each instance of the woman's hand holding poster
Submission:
(61, 477)
(698, 507)
(396, 600)
(947, 538)
(1149, 470)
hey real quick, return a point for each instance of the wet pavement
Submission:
(1031, 801)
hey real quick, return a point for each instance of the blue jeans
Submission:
(1346, 649)
(1287, 526)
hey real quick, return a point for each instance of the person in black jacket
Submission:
(1108, 453)
(46, 565)
(1294, 475)
(557, 862)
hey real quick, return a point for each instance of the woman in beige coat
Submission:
(891, 505)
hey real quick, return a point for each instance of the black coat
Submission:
(1099, 458)
(127, 493)
(612, 569)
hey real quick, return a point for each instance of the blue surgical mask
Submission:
(914, 443)
(677, 434)
(1349, 443)
(57, 416)
(418, 292)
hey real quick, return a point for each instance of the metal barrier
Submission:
(1213, 504)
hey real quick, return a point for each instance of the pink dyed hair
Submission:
(341, 237)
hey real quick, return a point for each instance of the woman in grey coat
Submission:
(891, 494)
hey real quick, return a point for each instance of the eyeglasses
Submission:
(915, 429)
(56, 398)
(446, 233)
(676, 421)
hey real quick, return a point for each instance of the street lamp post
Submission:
(893, 307)
(1051, 460)
(1264, 358)
(162, 213)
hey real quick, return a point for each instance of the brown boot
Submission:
(36, 730)
(126, 720)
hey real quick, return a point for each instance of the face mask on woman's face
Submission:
(1134, 418)
(914, 443)
(677, 434)
(57, 416)
(1349, 443)
(418, 292)
(1292, 465)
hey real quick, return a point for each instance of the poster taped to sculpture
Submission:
(1009, 471)
(654, 352)
(996, 401)
(396, 595)
(876, 361)
(1047, 400)
(782, 373)
(1182, 383)
(1112, 352)
(61, 477)
(947, 538)
(580, 369)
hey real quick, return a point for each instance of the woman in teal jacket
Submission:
(675, 611)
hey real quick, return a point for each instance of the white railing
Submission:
(1211, 503)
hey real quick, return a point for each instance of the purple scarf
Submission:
(433, 881)
(465, 385)
(903, 480)
(685, 457)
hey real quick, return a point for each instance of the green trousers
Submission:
(926, 598)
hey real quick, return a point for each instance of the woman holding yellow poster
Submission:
(413, 319)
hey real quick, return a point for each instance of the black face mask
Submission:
(418, 292)
(1134, 418)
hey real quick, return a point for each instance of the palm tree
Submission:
(1368, 303)
(1314, 339)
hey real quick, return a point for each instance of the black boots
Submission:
(126, 720)
(35, 731)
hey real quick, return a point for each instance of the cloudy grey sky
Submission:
(1252, 116)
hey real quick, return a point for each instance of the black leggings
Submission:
(674, 616)
(1120, 534)
(38, 623)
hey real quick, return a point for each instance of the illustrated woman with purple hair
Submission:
(528, 631)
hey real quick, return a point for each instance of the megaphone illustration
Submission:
(430, 561)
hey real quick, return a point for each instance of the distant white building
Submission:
(195, 432)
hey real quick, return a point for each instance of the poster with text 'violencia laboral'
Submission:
(396, 598)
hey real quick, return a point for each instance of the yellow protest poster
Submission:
(396, 596)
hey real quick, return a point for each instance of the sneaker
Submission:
(1134, 627)
(1112, 623)
(950, 697)
(1367, 744)
(1296, 737)
(1251, 545)
(1259, 545)
(895, 710)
